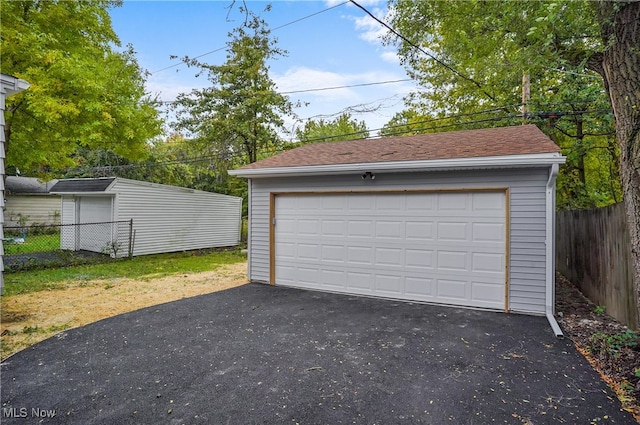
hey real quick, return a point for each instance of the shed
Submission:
(165, 218)
(28, 200)
(462, 218)
(9, 85)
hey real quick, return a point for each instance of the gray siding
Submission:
(41, 209)
(169, 219)
(526, 212)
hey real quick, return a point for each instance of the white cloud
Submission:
(302, 78)
(375, 104)
(370, 29)
(390, 56)
(169, 86)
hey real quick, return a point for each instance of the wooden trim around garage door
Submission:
(272, 238)
(507, 235)
(272, 212)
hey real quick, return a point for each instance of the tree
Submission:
(342, 128)
(473, 53)
(236, 120)
(83, 94)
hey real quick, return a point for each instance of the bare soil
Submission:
(30, 318)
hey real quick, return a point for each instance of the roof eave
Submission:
(12, 85)
(507, 161)
(80, 193)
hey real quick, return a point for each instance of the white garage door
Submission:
(443, 247)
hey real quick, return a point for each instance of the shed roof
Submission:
(27, 185)
(504, 141)
(82, 185)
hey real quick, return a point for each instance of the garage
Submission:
(463, 218)
(445, 247)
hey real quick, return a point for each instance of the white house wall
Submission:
(526, 217)
(169, 219)
(40, 209)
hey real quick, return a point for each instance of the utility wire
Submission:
(190, 160)
(347, 87)
(415, 46)
(169, 102)
(274, 29)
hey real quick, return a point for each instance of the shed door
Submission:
(95, 229)
(442, 247)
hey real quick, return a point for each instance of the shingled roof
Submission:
(82, 185)
(505, 141)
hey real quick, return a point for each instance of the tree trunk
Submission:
(620, 29)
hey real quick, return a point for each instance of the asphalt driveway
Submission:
(271, 355)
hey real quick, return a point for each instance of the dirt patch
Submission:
(30, 318)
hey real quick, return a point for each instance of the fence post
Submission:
(130, 238)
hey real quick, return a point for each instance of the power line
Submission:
(274, 29)
(169, 102)
(190, 160)
(415, 46)
(349, 86)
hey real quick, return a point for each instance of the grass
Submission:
(38, 243)
(145, 267)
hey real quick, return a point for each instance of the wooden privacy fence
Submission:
(593, 250)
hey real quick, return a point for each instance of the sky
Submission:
(330, 44)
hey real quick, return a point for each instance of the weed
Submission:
(612, 344)
(31, 329)
(599, 310)
(58, 328)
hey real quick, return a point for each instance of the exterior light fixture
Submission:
(369, 175)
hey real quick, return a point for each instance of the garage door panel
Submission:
(453, 202)
(389, 229)
(360, 228)
(288, 227)
(487, 292)
(332, 202)
(452, 260)
(333, 228)
(305, 227)
(423, 231)
(333, 279)
(487, 232)
(453, 231)
(360, 281)
(287, 250)
(360, 203)
(333, 253)
(434, 247)
(390, 202)
(419, 258)
(419, 288)
(360, 255)
(449, 289)
(421, 204)
(308, 251)
(487, 201)
(487, 262)
(389, 257)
